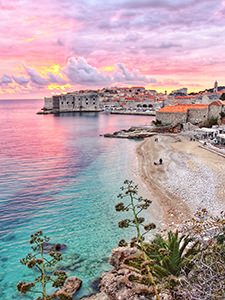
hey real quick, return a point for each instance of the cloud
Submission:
(80, 72)
(39, 80)
(35, 77)
(55, 79)
(21, 80)
(6, 79)
(126, 76)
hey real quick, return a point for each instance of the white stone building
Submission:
(73, 102)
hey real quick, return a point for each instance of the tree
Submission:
(222, 97)
(137, 205)
(39, 261)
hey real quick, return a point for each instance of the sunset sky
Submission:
(51, 46)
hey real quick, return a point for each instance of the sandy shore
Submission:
(189, 178)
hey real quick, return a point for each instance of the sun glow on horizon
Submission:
(59, 87)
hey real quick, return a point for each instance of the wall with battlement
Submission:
(171, 118)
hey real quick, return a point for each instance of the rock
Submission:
(95, 285)
(71, 286)
(116, 286)
(164, 296)
(118, 255)
(100, 296)
(50, 246)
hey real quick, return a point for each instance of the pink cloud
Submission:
(160, 38)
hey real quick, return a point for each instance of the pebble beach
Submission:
(189, 178)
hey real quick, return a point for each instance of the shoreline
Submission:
(189, 178)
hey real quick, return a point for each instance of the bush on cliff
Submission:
(167, 258)
(206, 279)
(189, 265)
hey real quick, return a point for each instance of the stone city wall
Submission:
(79, 102)
(214, 111)
(48, 103)
(195, 116)
(171, 118)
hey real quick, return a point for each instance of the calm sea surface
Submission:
(57, 174)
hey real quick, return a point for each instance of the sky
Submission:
(56, 46)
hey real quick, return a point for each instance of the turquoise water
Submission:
(59, 175)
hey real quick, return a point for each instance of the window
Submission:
(73, 102)
(62, 102)
(67, 102)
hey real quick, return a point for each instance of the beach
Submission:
(189, 178)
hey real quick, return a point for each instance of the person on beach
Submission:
(160, 161)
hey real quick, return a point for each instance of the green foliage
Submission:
(173, 254)
(206, 279)
(222, 114)
(136, 204)
(222, 97)
(157, 122)
(166, 258)
(212, 121)
(38, 261)
(190, 265)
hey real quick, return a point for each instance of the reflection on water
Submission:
(59, 175)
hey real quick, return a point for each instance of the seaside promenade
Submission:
(189, 178)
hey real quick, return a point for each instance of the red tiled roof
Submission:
(182, 108)
(217, 103)
(175, 102)
(183, 97)
(137, 87)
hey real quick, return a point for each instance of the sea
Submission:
(59, 174)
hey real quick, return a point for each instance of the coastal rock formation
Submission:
(118, 255)
(115, 285)
(71, 286)
(50, 246)
(143, 132)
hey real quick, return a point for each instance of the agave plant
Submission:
(171, 255)
(166, 258)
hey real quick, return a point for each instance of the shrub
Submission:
(137, 204)
(38, 261)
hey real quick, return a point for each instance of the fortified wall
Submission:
(193, 113)
(73, 102)
(171, 118)
(194, 116)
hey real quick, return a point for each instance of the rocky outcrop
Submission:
(143, 132)
(132, 133)
(115, 285)
(71, 286)
(56, 247)
(119, 254)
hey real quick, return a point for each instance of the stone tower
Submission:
(215, 90)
